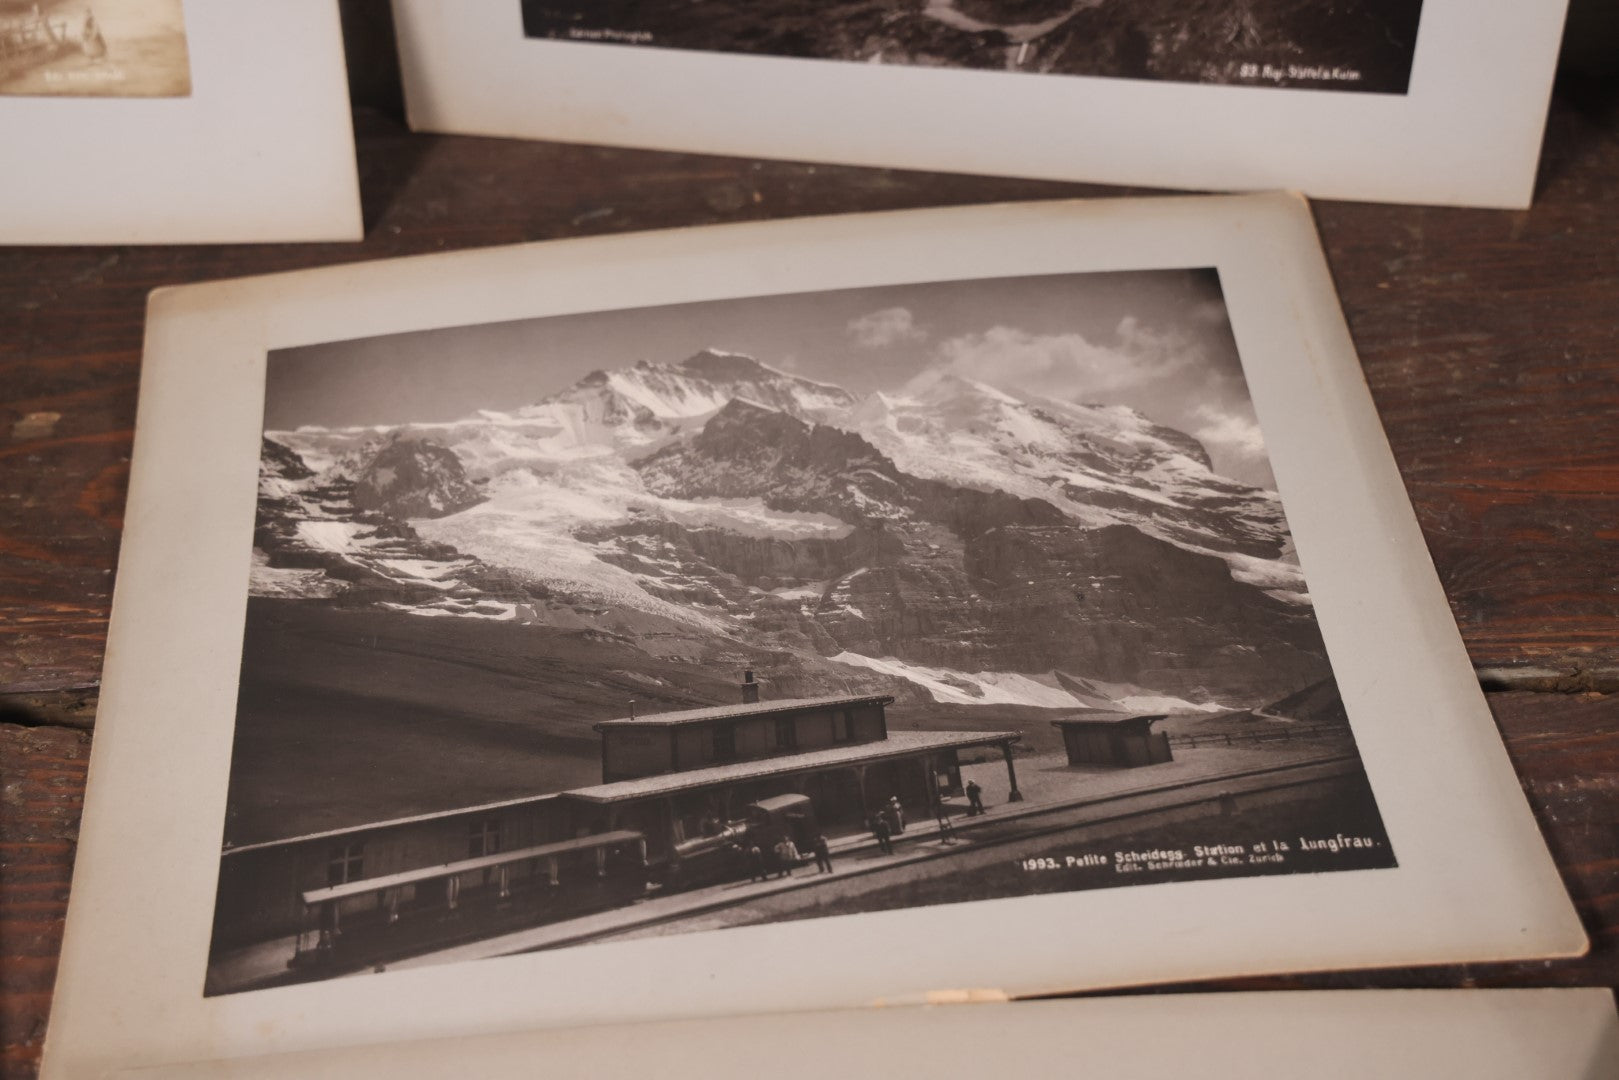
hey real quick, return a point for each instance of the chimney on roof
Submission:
(750, 689)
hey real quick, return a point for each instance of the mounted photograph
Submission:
(93, 48)
(1360, 45)
(779, 617)
(1404, 101)
(162, 122)
(620, 624)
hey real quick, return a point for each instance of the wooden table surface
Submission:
(1490, 341)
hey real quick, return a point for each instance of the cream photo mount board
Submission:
(1469, 879)
(1466, 130)
(1331, 1035)
(259, 148)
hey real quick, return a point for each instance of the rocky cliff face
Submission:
(325, 535)
(952, 577)
(409, 478)
(748, 451)
(951, 539)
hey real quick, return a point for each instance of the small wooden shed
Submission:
(1124, 740)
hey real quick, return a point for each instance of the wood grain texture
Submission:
(1490, 342)
(41, 797)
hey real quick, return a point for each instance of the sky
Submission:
(1158, 341)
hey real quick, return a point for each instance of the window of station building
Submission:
(724, 742)
(483, 838)
(345, 864)
(786, 733)
(841, 726)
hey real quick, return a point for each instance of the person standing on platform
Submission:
(786, 856)
(975, 799)
(896, 815)
(880, 829)
(823, 854)
(756, 864)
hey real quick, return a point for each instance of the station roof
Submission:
(739, 711)
(481, 862)
(899, 744)
(1103, 716)
(388, 823)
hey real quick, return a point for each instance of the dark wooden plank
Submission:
(1492, 349)
(40, 802)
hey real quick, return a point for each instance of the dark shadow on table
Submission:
(386, 152)
(1586, 94)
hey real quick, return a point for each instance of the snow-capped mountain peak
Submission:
(717, 502)
(1099, 464)
(641, 407)
(941, 386)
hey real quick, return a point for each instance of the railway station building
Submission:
(669, 775)
(1124, 740)
(667, 778)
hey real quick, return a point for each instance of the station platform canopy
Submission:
(1106, 718)
(482, 862)
(899, 744)
(745, 709)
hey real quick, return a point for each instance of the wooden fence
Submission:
(1279, 733)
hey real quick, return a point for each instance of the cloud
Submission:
(1210, 313)
(1065, 365)
(1159, 353)
(1169, 375)
(1231, 435)
(890, 326)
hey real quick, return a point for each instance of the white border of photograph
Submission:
(262, 149)
(1467, 133)
(1474, 882)
(1331, 1035)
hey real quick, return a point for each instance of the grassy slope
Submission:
(540, 677)
(347, 716)
(352, 716)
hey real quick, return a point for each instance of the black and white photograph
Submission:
(1351, 45)
(93, 48)
(667, 619)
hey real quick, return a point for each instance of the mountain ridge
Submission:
(718, 506)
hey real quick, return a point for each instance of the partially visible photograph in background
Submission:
(93, 48)
(1362, 45)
